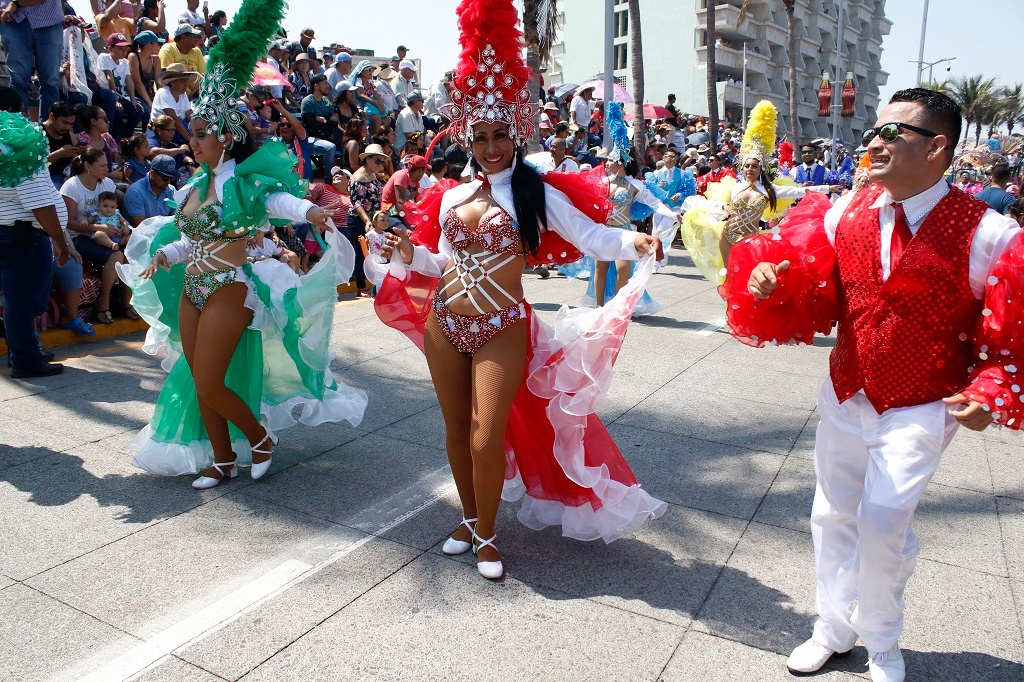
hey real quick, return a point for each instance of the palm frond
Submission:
(547, 27)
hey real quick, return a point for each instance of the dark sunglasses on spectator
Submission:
(282, 124)
(101, 118)
(375, 159)
(890, 131)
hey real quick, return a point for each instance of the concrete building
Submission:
(675, 55)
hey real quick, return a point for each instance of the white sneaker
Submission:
(809, 657)
(887, 666)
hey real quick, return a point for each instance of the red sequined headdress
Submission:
(491, 84)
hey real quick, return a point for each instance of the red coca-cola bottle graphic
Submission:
(849, 95)
(824, 94)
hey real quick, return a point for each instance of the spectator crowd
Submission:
(112, 86)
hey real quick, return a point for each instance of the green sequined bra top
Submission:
(205, 225)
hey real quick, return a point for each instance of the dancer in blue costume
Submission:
(247, 344)
(626, 192)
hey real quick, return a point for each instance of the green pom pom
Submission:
(23, 149)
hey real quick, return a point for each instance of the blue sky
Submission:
(984, 36)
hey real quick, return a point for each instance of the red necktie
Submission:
(483, 178)
(901, 236)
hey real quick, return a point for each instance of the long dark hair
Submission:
(527, 199)
(769, 188)
(240, 150)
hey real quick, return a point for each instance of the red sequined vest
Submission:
(904, 341)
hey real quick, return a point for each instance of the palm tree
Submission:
(712, 77)
(973, 94)
(540, 22)
(636, 50)
(794, 122)
(1013, 106)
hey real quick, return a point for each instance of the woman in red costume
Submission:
(518, 398)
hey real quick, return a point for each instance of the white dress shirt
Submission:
(993, 237)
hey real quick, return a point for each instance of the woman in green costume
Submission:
(248, 344)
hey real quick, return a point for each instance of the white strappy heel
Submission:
(492, 570)
(204, 481)
(451, 546)
(261, 468)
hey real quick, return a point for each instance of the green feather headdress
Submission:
(230, 65)
(23, 149)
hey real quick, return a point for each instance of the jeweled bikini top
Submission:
(205, 225)
(499, 235)
(497, 232)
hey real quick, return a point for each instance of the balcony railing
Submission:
(727, 21)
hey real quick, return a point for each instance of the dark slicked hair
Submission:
(943, 114)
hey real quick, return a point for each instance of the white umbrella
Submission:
(618, 92)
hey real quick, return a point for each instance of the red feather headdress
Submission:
(491, 84)
(785, 154)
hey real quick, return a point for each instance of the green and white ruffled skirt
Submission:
(281, 366)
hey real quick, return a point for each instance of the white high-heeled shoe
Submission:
(261, 468)
(452, 547)
(204, 481)
(492, 570)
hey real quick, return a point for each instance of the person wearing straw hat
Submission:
(248, 344)
(365, 192)
(579, 107)
(172, 100)
(548, 119)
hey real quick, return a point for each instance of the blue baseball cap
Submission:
(343, 57)
(165, 166)
(147, 37)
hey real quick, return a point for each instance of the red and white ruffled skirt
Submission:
(560, 459)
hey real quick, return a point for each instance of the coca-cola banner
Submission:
(849, 95)
(824, 94)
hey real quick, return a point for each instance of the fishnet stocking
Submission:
(476, 395)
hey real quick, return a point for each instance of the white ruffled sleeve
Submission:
(284, 206)
(177, 252)
(600, 242)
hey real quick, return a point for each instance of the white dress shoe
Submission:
(887, 666)
(809, 657)
(492, 570)
(452, 547)
(204, 482)
(258, 470)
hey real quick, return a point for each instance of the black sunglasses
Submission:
(890, 131)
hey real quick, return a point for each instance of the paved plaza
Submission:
(331, 569)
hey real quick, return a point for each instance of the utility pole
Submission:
(743, 97)
(920, 49)
(609, 65)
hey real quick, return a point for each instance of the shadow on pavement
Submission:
(58, 478)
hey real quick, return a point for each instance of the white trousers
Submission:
(871, 472)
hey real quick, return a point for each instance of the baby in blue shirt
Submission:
(115, 229)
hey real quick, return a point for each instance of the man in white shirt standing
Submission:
(579, 108)
(915, 260)
(32, 219)
(404, 84)
(191, 16)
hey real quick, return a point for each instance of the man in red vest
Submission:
(915, 260)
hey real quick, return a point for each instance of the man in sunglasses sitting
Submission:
(928, 298)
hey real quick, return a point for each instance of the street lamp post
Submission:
(609, 65)
(922, 64)
(920, 49)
